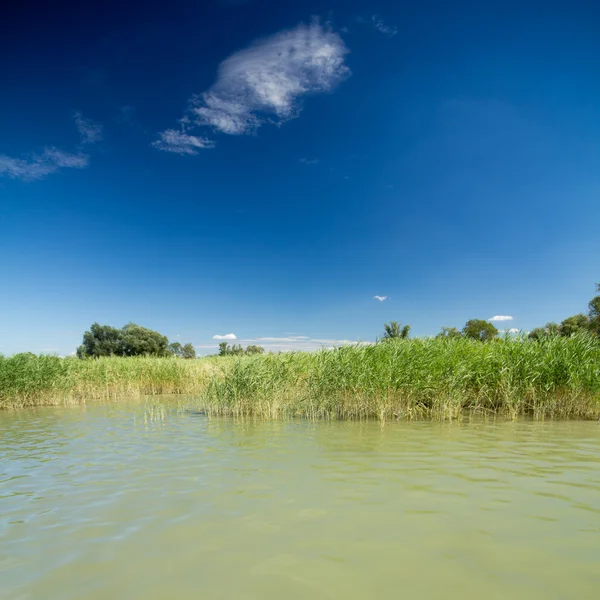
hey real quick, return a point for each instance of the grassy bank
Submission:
(27, 380)
(557, 377)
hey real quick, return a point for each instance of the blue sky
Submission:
(266, 168)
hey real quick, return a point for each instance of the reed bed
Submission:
(28, 380)
(418, 378)
(556, 377)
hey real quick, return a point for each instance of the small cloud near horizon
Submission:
(227, 336)
(501, 318)
(381, 298)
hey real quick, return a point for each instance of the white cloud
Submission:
(41, 165)
(265, 82)
(501, 318)
(292, 338)
(228, 336)
(513, 330)
(381, 26)
(178, 142)
(90, 131)
(309, 161)
(380, 298)
(298, 343)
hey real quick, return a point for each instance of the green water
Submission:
(110, 502)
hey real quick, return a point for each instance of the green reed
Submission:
(557, 377)
(28, 380)
(419, 378)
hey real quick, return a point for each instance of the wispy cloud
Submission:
(227, 336)
(39, 166)
(501, 318)
(265, 82)
(380, 298)
(309, 161)
(383, 27)
(178, 142)
(298, 343)
(90, 131)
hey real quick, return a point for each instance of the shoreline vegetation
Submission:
(444, 377)
(550, 372)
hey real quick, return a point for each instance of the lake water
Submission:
(151, 502)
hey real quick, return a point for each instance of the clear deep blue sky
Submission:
(265, 168)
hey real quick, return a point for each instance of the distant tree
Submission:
(548, 330)
(236, 349)
(594, 313)
(254, 350)
(188, 351)
(131, 340)
(478, 329)
(449, 333)
(101, 340)
(394, 330)
(574, 324)
(140, 341)
(176, 349)
(23, 356)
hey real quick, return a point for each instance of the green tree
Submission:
(594, 313)
(254, 350)
(478, 329)
(188, 351)
(236, 349)
(176, 349)
(140, 341)
(548, 330)
(449, 333)
(101, 340)
(131, 340)
(394, 330)
(574, 324)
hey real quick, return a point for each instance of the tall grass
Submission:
(28, 380)
(556, 377)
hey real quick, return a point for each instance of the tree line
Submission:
(574, 324)
(130, 340)
(483, 331)
(236, 350)
(475, 329)
(135, 340)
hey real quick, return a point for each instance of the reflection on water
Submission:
(150, 501)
